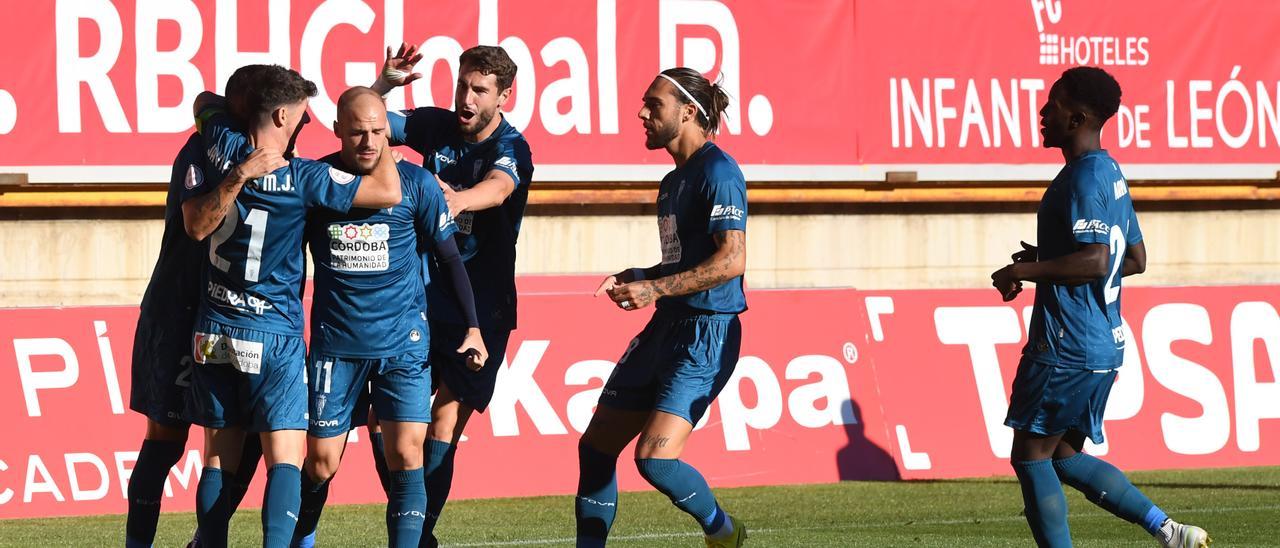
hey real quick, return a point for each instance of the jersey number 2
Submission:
(257, 221)
(1111, 291)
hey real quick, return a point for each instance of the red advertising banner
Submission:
(110, 83)
(961, 83)
(821, 90)
(71, 440)
(1201, 378)
(853, 385)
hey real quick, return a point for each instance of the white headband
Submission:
(686, 94)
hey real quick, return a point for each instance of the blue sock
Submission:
(380, 462)
(146, 490)
(686, 488)
(1046, 505)
(1106, 486)
(314, 495)
(439, 479)
(280, 505)
(406, 508)
(597, 500)
(213, 509)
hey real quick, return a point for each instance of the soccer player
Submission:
(161, 370)
(247, 344)
(368, 323)
(485, 168)
(678, 364)
(1088, 240)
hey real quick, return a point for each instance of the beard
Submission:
(477, 123)
(660, 136)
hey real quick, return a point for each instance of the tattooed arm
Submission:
(728, 262)
(201, 215)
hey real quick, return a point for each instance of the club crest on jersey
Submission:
(195, 177)
(340, 177)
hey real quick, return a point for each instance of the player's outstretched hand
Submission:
(397, 70)
(634, 295)
(1029, 254)
(473, 348)
(1006, 283)
(260, 162)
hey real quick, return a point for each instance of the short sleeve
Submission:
(432, 212)
(1087, 211)
(322, 185)
(414, 127)
(512, 156)
(726, 191)
(1133, 236)
(223, 146)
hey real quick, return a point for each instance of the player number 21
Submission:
(1111, 291)
(257, 221)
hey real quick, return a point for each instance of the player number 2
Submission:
(257, 221)
(1111, 291)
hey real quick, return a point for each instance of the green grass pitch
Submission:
(1237, 506)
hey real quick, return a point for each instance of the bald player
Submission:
(369, 333)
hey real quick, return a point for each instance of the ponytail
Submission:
(709, 99)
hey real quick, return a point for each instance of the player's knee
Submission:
(407, 450)
(323, 465)
(443, 428)
(157, 431)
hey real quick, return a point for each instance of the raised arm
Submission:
(397, 70)
(201, 215)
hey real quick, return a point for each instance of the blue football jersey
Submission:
(1079, 326)
(486, 239)
(173, 294)
(255, 262)
(369, 299)
(705, 196)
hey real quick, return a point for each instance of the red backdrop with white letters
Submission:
(832, 384)
(820, 89)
